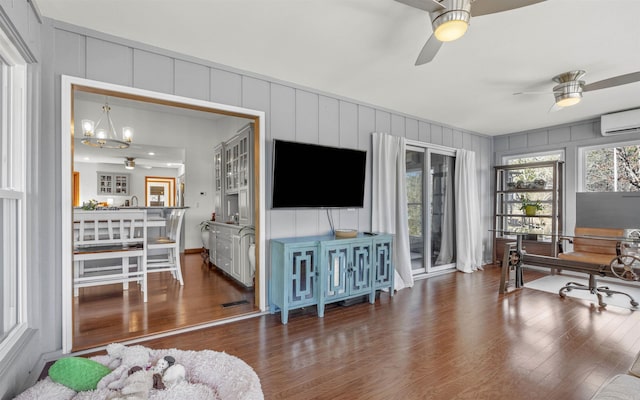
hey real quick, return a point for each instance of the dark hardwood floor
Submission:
(448, 337)
(105, 314)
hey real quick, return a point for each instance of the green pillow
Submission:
(78, 373)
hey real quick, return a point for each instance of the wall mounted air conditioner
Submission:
(620, 123)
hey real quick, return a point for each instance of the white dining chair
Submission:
(164, 251)
(104, 243)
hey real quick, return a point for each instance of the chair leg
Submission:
(125, 273)
(76, 275)
(143, 285)
(609, 292)
(176, 256)
(595, 289)
(592, 288)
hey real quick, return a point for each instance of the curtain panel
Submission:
(389, 209)
(468, 217)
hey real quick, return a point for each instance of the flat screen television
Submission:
(314, 176)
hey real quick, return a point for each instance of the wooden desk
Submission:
(515, 256)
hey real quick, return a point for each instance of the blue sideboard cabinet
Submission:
(318, 270)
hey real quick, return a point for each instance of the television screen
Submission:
(313, 176)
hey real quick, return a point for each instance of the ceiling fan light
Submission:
(568, 93)
(451, 30)
(129, 163)
(568, 99)
(451, 24)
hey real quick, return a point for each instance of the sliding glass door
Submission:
(430, 174)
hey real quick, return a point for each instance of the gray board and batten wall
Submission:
(292, 113)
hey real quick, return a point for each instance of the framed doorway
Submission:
(73, 85)
(430, 192)
(159, 191)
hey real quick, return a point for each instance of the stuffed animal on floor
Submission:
(121, 360)
(168, 372)
(158, 370)
(136, 386)
(174, 375)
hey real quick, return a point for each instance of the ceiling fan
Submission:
(569, 87)
(450, 18)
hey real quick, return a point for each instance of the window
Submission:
(529, 175)
(12, 194)
(611, 168)
(533, 157)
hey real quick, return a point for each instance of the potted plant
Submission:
(204, 230)
(90, 205)
(250, 230)
(530, 207)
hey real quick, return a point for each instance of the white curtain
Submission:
(445, 256)
(389, 211)
(468, 218)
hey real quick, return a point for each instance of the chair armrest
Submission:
(561, 240)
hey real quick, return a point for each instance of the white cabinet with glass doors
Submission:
(233, 178)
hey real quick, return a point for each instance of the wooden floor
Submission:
(104, 314)
(448, 337)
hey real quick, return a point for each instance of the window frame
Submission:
(13, 184)
(582, 159)
(507, 158)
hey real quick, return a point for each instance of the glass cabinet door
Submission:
(227, 169)
(303, 276)
(243, 162)
(217, 168)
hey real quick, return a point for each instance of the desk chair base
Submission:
(595, 289)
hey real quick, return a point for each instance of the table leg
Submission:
(520, 253)
(506, 266)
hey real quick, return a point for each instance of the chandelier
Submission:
(103, 133)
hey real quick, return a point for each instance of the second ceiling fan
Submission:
(450, 19)
(570, 86)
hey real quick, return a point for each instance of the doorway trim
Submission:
(68, 85)
(428, 149)
(166, 183)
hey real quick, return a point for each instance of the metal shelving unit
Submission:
(538, 181)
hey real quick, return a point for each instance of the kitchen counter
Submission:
(230, 224)
(116, 208)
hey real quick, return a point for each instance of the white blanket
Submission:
(210, 375)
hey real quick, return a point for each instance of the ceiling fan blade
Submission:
(429, 50)
(426, 5)
(555, 108)
(484, 7)
(519, 93)
(611, 82)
